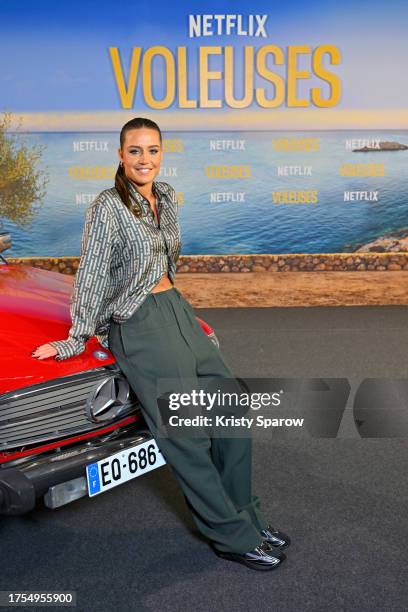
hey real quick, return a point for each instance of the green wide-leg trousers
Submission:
(163, 339)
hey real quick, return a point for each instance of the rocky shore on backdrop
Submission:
(385, 145)
(395, 242)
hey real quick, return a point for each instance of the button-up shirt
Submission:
(122, 258)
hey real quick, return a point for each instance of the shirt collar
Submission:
(141, 200)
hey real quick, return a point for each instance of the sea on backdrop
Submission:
(223, 215)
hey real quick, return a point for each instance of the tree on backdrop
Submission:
(22, 182)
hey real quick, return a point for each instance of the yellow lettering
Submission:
(126, 95)
(182, 79)
(325, 75)
(275, 79)
(170, 77)
(207, 75)
(248, 78)
(294, 74)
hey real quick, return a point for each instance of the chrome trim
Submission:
(109, 400)
(214, 339)
(55, 409)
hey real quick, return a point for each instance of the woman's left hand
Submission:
(44, 351)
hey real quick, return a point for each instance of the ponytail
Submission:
(122, 187)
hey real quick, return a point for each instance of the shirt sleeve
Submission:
(174, 228)
(90, 281)
(176, 209)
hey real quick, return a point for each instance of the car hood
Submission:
(34, 309)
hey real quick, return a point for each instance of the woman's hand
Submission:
(44, 351)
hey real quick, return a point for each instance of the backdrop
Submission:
(285, 129)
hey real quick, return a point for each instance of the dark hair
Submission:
(121, 180)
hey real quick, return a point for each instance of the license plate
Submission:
(123, 466)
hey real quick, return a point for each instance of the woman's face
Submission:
(141, 155)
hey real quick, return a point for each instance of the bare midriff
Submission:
(163, 284)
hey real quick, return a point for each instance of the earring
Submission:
(121, 164)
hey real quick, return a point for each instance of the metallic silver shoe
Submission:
(275, 538)
(263, 557)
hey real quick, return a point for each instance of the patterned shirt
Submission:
(122, 258)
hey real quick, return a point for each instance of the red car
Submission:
(67, 428)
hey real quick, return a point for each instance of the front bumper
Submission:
(22, 484)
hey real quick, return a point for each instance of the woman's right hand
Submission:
(44, 351)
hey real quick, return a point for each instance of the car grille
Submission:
(53, 409)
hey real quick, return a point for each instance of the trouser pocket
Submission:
(147, 326)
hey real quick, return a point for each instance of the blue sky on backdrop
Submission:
(55, 55)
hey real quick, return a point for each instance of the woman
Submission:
(124, 293)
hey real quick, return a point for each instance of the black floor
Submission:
(343, 501)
